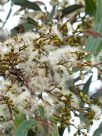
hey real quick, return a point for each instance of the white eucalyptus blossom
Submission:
(97, 111)
(38, 68)
(38, 77)
(56, 32)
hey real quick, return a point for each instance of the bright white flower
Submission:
(97, 111)
(23, 100)
(7, 125)
(40, 71)
(4, 84)
(75, 101)
(55, 31)
(63, 53)
(29, 36)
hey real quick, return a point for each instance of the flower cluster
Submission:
(37, 71)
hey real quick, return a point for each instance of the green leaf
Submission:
(26, 4)
(87, 85)
(41, 110)
(50, 17)
(71, 9)
(95, 45)
(98, 131)
(25, 27)
(69, 128)
(85, 91)
(19, 118)
(0, 21)
(32, 21)
(61, 130)
(22, 130)
(54, 131)
(90, 7)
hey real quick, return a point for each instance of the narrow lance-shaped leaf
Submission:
(95, 45)
(41, 110)
(32, 21)
(90, 7)
(98, 131)
(61, 130)
(54, 130)
(26, 4)
(85, 91)
(87, 85)
(39, 2)
(0, 20)
(50, 17)
(19, 118)
(71, 9)
(22, 130)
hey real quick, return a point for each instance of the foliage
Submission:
(92, 45)
(38, 91)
